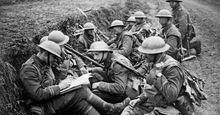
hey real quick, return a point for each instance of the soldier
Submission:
(115, 76)
(164, 86)
(71, 62)
(88, 37)
(182, 20)
(124, 43)
(42, 90)
(130, 22)
(169, 32)
(141, 29)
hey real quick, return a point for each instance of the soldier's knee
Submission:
(84, 92)
(127, 111)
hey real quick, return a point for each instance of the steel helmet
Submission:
(99, 46)
(89, 26)
(139, 14)
(173, 0)
(58, 37)
(51, 47)
(153, 45)
(117, 23)
(45, 38)
(131, 19)
(164, 14)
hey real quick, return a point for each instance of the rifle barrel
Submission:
(82, 56)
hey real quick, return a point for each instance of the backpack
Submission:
(192, 83)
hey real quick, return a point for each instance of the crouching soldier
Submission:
(165, 83)
(42, 90)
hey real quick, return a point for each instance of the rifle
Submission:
(131, 69)
(71, 50)
(188, 38)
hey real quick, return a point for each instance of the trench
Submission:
(17, 51)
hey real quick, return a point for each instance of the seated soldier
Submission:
(130, 22)
(42, 90)
(71, 63)
(124, 43)
(169, 33)
(88, 37)
(165, 80)
(141, 28)
(182, 20)
(115, 76)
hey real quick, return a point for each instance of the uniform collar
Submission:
(166, 27)
(142, 24)
(88, 36)
(38, 62)
(160, 58)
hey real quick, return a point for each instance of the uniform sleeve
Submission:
(79, 61)
(120, 81)
(32, 84)
(172, 41)
(169, 84)
(126, 48)
(81, 45)
(144, 68)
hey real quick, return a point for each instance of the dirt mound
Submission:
(10, 91)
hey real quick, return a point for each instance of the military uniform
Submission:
(126, 44)
(172, 36)
(42, 91)
(85, 41)
(142, 29)
(113, 87)
(71, 64)
(166, 90)
(181, 20)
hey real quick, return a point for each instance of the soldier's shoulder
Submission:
(121, 60)
(146, 26)
(183, 11)
(174, 29)
(127, 33)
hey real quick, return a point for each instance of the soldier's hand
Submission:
(134, 102)
(159, 67)
(95, 85)
(64, 84)
(83, 70)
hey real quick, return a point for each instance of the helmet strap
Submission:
(102, 57)
(48, 58)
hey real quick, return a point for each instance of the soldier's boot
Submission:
(101, 105)
(119, 107)
(197, 46)
(185, 105)
(98, 103)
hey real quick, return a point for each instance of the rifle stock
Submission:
(71, 50)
